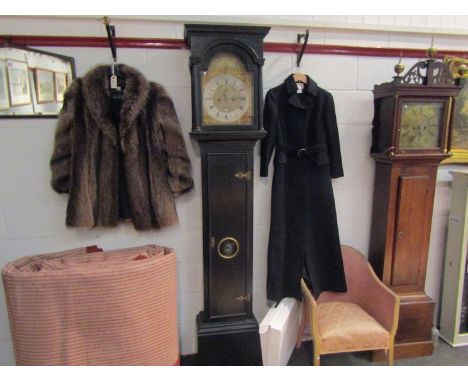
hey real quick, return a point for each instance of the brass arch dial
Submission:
(227, 92)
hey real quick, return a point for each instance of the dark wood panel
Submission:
(380, 218)
(406, 350)
(410, 233)
(227, 219)
(416, 319)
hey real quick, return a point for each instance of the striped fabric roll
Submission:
(101, 308)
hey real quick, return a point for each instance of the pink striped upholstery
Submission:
(102, 308)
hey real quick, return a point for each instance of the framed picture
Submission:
(459, 135)
(18, 83)
(45, 91)
(60, 86)
(459, 142)
(4, 99)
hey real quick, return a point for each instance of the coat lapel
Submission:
(97, 96)
(134, 100)
(310, 90)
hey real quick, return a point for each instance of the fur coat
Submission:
(91, 153)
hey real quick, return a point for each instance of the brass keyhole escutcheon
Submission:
(228, 248)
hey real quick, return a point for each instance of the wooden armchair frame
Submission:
(364, 290)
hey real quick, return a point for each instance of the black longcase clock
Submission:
(226, 71)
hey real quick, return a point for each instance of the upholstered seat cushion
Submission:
(344, 326)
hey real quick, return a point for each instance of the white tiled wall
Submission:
(32, 215)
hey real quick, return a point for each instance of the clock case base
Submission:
(228, 343)
(414, 335)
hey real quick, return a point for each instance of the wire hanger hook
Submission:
(301, 53)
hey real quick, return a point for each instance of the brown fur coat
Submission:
(85, 160)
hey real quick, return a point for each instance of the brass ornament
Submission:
(246, 298)
(432, 50)
(228, 248)
(399, 67)
(462, 70)
(243, 175)
(457, 66)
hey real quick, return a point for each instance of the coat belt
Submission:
(301, 152)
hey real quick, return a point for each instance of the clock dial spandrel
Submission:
(420, 125)
(227, 91)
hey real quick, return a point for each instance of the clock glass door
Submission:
(227, 91)
(420, 125)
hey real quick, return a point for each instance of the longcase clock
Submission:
(226, 70)
(410, 137)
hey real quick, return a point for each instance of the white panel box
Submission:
(454, 311)
(278, 332)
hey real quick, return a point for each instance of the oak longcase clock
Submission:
(226, 71)
(410, 137)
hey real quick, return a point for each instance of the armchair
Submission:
(364, 318)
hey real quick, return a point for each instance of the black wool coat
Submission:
(124, 162)
(304, 239)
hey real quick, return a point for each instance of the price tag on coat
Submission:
(113, 81)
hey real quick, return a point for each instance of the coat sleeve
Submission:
(270, 119)
(179, 169)
(60, 163)
(333, 139)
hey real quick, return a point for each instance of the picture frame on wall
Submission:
(45, 85)
(60, 86)
(18, 83)
(459, 134)
(25, 99)
(4, 98)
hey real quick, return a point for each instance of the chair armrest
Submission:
(310, 304)
(378, 300)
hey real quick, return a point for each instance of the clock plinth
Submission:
(228, 343)
(225, 66)
(410, 137)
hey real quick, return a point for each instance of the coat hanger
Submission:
(115, 72)
(298, 76)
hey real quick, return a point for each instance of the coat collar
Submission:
(97, 96)
(310, 89)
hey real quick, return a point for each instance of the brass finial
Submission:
(106, 20)
(462, 70)
(398, 68)
(431, 52)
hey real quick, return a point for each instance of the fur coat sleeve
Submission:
(178, 164)
(60, 162)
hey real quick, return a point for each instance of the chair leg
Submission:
(300, 332)
(316, 356)
(390, 356)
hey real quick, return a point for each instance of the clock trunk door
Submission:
(411, 234)
(229, 180)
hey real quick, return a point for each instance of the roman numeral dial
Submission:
(227, 92)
